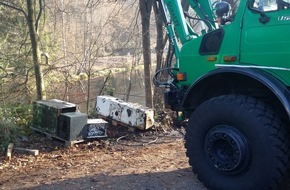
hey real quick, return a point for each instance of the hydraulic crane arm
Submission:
(179, 30)
(176, 24)
(204, 10)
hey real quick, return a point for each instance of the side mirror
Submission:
(264, 18)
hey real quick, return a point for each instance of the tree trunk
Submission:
(145, 11)
(160, 43)
(35, 50)
(159, 32)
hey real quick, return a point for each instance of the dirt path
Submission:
(102, 165)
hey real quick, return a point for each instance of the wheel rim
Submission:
(227, 149)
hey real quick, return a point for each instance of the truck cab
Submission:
(232, 81)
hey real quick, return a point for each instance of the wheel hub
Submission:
(227, 149)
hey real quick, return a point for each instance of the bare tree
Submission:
(34, 38)
(145, 12)
(79, 35)
(161, 40)
(33, 19)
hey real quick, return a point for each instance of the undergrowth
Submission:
(15, 121)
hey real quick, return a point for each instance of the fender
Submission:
(232, 80)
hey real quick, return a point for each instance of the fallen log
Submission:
(33, 152)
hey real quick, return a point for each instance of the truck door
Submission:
(265, 40)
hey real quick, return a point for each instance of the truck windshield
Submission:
(271, 5)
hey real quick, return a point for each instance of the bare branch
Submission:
(15, 8)
(38, 16)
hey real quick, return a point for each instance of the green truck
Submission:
(232, 80)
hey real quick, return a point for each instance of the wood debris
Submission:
(9, 151)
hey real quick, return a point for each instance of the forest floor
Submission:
(139, 160)
(128, 160)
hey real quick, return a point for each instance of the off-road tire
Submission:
(236, 142)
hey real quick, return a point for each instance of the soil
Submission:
(126, 160)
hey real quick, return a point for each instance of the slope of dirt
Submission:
(144, 162)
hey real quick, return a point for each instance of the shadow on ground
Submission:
(177, 179)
